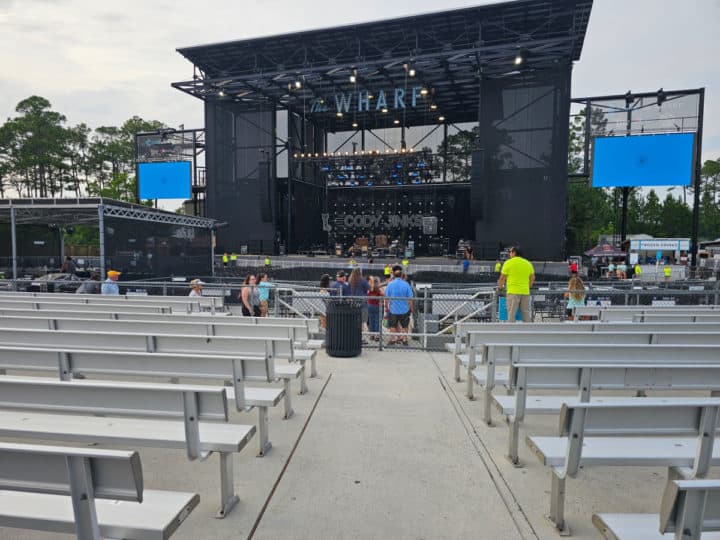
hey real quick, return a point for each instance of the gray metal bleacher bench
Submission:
(105, 487)
(68, 363)
(189, 417)
(690, 510)
(680, 436)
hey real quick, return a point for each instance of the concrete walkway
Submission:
(386, 446)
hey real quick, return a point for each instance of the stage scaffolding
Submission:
(502, 69)
(134, 239)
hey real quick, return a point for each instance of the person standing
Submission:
(575, 295)
(399, 303)
(340, 286)
(374, 311)
(264, 287)
(519, 275)
(250, 297)
(323, 292)
(225, 260)
(387, 271)
(69, 266)
(359, 287)
(196, 286)
(110, 286)
(498, 266)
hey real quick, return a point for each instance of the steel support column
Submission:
(696, 188)
(101, 227)
(13, 234)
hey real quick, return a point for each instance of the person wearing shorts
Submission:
(519, 275)
(399, 304)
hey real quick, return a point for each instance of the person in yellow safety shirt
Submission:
(519, 275)
(233, 258)
(225, 259)
(498, 266)
(637, 270)
(267, 261)
(405, 264)
(353, 263)
(668, 272)
(387, 271)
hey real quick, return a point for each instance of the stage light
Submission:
(518, 59)
(661, 97)
(221, 93)
(354, 124)
(339, 114)
(441, 119)
(423, 91)
(433, 106)
(302, 155)
(353, 76)
(411, 72)
(370, 96)
(384, 111)
(396, 121)
(298, 85)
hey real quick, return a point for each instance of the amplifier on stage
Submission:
(429, 225)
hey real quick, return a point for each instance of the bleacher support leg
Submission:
(228, 498)
(514, 427)
(303, 380)
(457, 369)
(83, 498)
(557, 505)
(487, 405)
(470, 393)
(287, 403)
(265, 444)
(313, 366)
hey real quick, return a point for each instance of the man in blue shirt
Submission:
(110, 286)
(399, 304)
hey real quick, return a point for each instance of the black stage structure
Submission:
(431, 129)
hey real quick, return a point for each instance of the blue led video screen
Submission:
(164, 180)
(643, 160)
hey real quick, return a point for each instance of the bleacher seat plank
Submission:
(156, 518)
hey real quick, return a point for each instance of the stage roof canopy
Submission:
(442, 53)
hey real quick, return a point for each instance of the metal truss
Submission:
(448, 54)
(153, 216)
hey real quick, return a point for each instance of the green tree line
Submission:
(41, 156)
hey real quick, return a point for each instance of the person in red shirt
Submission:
(374, 306)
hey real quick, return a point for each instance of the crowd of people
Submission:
(389, 300)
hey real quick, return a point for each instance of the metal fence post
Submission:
(276, 307)
(494, 306)
(382, 319)
(425, 319)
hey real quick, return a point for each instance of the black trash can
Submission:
(343, 336)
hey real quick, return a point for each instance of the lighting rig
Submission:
(373, 168)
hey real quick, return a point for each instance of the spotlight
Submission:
(339, 114)
(221, 93)
(354, 124)
(661, 97)
(370, 96)
(396, 121)
(384, 110)
(298, 85)
(423, 91)
(518, 59)
(411, 72)
(433, 106)
(353, 76)
(441, 119)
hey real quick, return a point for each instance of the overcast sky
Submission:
(101, 62)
